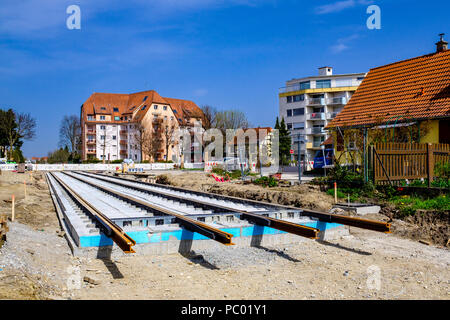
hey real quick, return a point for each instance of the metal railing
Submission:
(341, 100)
(315, 131)
(316, 116)
(331, 115)
(315, 101)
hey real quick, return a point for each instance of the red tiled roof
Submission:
(104, 103)
(185, 109)
(417, 88)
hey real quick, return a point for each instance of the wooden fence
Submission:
(395, 162)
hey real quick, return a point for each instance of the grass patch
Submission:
(410, 204)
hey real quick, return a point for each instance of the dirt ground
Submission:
(36, 262)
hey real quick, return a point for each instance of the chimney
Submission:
(442, 45)
(325, 71)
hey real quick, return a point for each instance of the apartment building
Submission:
(308, 104)
(135, 126)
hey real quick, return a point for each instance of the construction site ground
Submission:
(36, 261)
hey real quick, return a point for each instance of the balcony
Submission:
(296, 87)
(341, 100)
(90, 141)
(123, 151)
(90, 131)
(315, 131)
(91, 151)
(123, 142)
(315, 116)
(332, 115)
(313, 145)
(316, 101)
(124, 132)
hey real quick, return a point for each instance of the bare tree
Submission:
(231, 119)
(70, 133)
(210, 116)
(168, 132)
(157, 138)
(143, 139)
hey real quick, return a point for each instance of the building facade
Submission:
(406, 101)
(139, 126)
(309, 104)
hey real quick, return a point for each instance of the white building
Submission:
(308, 104)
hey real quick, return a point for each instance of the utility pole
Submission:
(299, 141)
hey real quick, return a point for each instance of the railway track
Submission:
(230, 203)
(114, 202)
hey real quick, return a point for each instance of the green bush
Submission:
(116, 161)
(410, 204)
(266, 182)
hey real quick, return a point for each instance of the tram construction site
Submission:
(97, 210)
(124, 236)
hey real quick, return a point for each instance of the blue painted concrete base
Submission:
(146, 237)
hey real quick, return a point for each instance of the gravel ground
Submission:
(36, 263)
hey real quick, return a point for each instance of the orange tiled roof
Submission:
(185, 109)
(417, 88)
(104, 103)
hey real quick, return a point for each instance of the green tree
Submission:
(59, 156)
(285, 142)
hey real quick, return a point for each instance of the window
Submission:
(103, 108)
(304, 85)
(116, 109)
(360, 78)
(165, 108)
(299, 112)
(344, 82)
(90, 118)
(175, 111)
(117, 118)
(289, 99)
(102, 127)
(171, 118)
(114, 137)
(143, 108)
(145, 98)
(299, 125)
(289, 112)
(320, 84)
(155, 107)
(102, 137)
(126, 117)
(102, 118)
(299, 97)
(289, 126)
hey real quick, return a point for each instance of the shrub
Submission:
(266, 182)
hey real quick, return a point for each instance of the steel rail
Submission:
(187, 223)
(258, 219)
(113, 231)
(379, 226)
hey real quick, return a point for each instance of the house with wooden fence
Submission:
(396, 125)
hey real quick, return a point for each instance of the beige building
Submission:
(139, 126)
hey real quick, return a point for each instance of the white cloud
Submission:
(342, 44)
(28, 17)
(200, 92)
(340, 6)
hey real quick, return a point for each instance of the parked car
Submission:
(319, 162)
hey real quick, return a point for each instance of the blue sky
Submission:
(229, 54)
